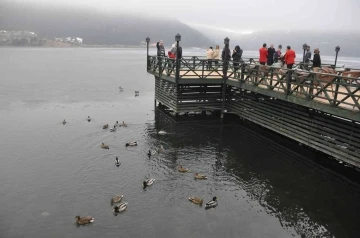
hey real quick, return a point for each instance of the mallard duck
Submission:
(84, 220)
(112, 129)
(116, 199)
(182, 169)
(106, 126)
(121, 207)
(117, 162)
(200, 176)
(88, 119)
(148, 182)
(151, 152)
(104, 146)
(64, 122)
(196, 200)
(212, 203)
(124, 124)
(134, 143)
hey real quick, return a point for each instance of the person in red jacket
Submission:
(290, 57)
(263, 54)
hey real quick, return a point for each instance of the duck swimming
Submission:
(148, 182)
(199, 176)
(116, 199)
(106, 126)
(104, 146)
(113, 129)
(120, 88)
(162, 132)
(182, 169)
(137, 92)
(211, 204)
(84, 220)
(151, 152)
(64, 122)
(134, 143)
(88, 119)
(117, 162)
(196, 200)
(116, 124)
(124, 124)
(121, 207)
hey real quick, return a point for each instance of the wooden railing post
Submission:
(242, 73)
(337, 80)
(288, 84)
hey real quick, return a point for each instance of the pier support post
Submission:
(225, 69)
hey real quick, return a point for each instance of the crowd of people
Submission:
(267, 56)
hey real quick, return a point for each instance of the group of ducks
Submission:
(122, 89)
(121, 206)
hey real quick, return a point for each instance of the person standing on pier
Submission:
(263, 54)
(217, 55)
(271, 55)
(307, 56)
(160, 52)
(289, 57)
(226, 56)
(317, 60)
(278, 54)
(236, 55)
(209, 56)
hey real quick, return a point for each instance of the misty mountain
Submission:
(95, 27)
(326, 41)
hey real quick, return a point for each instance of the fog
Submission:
(234, 15)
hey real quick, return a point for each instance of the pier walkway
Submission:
(318, 109)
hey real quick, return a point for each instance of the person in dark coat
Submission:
(236, 55)
(271, 55)
(317, 60)
(226, 56)
(160, 49)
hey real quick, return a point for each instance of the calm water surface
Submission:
(50, 173)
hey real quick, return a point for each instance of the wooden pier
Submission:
(318, 109)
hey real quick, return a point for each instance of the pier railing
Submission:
(337, 87)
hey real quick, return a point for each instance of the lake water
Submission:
(49, 172)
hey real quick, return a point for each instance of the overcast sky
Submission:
(237, 15)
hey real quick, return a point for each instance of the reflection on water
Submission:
(267, 175)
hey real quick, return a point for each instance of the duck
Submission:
(151, 152)
(211, 204)
(84, 220)
(116, 124)
(162, 132)
(64, 122)
(88, 119)
(116, 199)
(112, 129)
(182, 169)
(161, 149)
(121, 207)
(148, 182)
(104, 146)
(134, 143)
(117, 163)
(200, 176)
(106, 126)
(196, 200)
(137, 92)
(120, 88)
(124, 124)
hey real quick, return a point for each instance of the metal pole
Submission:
(177, 63)
(147, 56)
(336, 58)
(304, 57)
(225, 68)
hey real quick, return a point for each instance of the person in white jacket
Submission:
(210, 57)
(217, 54)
